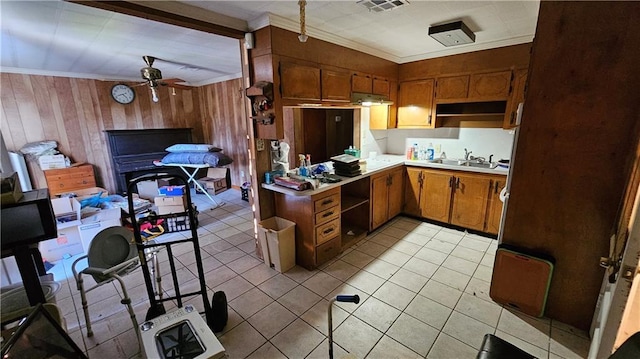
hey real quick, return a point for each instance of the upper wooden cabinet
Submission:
(301, 82)
(452, 88)
(491, 86)
(336, 85)
(380, 86)
(361, 82)
(415, 104)
(517, 96)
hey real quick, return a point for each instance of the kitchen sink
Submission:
(452, 161)
(478, 164)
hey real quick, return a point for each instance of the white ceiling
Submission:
(65, 39)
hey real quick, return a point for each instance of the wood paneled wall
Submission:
(75, 112)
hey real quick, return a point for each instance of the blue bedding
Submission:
(213, 159)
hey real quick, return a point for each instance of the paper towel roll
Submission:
(20, 166)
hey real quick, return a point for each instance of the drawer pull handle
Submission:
(328, 230)
(327, 201)
(327, 214)
(328, 249)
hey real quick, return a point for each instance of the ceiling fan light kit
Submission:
(452, 34)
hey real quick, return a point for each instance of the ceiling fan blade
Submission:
(186, 66)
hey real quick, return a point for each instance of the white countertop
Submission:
(381, 163)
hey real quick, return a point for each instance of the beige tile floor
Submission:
(423, 290)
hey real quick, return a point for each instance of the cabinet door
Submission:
(416, 102)
(361, 83)
(380, 86)
(379, 198)
(396, 186)
(336, 86)
(470, 195)
(490, 86)
(299, 81)
(452, 88)
(517, 96)
(412, 188)
(435, 198)
(494, 211)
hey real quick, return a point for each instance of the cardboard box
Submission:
(171, 190)
(67, 243)
(81, 194)
(50, 162)
(67, 211)
(91, 214)
(217, 180)
(88, 231)
(149, 189)
(170, 204)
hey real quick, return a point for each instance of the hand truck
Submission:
(173, 222)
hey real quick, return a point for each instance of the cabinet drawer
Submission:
(70, 179)
(327, 231)
(327, 215)
(328, 250)
(326, 202)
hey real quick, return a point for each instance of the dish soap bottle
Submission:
(302, 170)
(430, 151)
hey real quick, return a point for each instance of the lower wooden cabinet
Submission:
(465, 199)
(386, 196)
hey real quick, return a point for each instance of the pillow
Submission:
(213, 159)
(192, 147)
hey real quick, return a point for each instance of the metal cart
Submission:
(184, 221)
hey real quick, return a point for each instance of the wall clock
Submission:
(123, 94)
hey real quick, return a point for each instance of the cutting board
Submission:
(521, 281)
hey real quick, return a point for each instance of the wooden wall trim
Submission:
(150, 13)
(516, 56)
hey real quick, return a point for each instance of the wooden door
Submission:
(494, 208)
(380, 86)
(435, 198)
(336, 85)
(412, 186)
(396, 186)
(517, 96)
(361, 82)
(299, 81)
(379, 199)
(490, 86)
(452, 88)
(416, 102)
(470, 195)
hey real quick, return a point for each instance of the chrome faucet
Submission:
(466, 154)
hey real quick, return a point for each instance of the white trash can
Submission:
(278, 241)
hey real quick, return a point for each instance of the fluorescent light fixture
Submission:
(452, 34)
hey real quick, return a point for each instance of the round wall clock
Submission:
(122, 93)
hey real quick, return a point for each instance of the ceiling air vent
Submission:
(382, 5)
(452, 34)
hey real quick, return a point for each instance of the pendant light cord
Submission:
(303, 30)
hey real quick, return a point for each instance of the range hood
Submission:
(368, 99)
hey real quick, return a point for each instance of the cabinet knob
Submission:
(458, 182)
(497, 185)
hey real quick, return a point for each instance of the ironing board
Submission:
(191, 170)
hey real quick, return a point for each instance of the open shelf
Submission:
(350, 239)
(349, 202)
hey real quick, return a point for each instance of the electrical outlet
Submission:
(259, 144)
(338, 118)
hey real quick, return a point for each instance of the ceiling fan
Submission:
(153, 78)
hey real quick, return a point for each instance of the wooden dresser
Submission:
(70, 179)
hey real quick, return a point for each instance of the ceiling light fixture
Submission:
(452, 34)
(303, 30)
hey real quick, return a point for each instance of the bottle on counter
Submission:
(415, 152)
(302, 170)
(430, 152)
